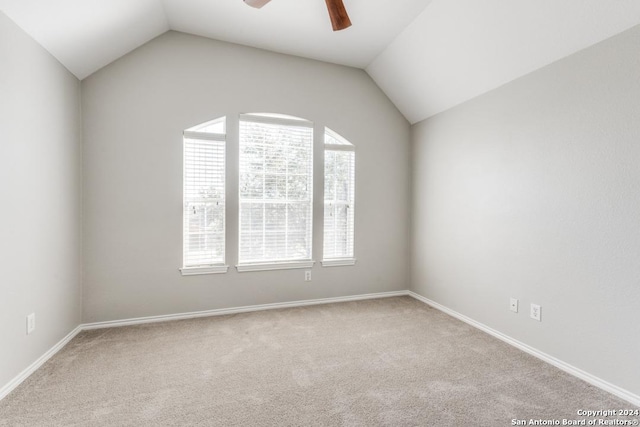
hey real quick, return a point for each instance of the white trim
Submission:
(210, 123)
(8, 388)
(335, 135)
(204, 136)
(196, 271)
(591, 379)
(301, 123)
(236, 310)
(243, 268)
(335, 147)
(338, 262)
(576, 372)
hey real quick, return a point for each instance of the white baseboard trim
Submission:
(591, 379)
(236, 310)
(8, 388)
(585, 376)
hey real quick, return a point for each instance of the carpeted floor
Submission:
(387, 362)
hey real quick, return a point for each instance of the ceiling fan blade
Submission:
(338, 14)
(256, 3)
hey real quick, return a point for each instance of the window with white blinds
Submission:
(339, 200)
(276, 190)
(204, 198)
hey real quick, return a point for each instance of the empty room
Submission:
(320, 212)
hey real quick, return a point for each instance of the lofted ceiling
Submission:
(456, 50)
(426, 55)
(86, 35)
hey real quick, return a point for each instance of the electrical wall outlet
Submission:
(536, 312)
(513, 305)
(307, 276)
(31, 323)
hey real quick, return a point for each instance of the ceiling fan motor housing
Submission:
(256, 3)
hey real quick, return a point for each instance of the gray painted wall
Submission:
(134, 113)
(533, 191)
(40, 165)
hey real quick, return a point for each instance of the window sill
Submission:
(338, 262)
(243, 268)
(211, 269)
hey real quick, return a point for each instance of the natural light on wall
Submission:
(276, 192)
(339, 200)
(204, 198)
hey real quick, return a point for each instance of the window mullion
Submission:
(335, 205)
(264, 204)
(286, 207)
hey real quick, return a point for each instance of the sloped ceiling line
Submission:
(426, 55)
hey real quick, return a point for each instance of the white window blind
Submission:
(339, 198)
(276, 189)
(204, 196)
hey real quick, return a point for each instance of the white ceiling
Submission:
(86, 35)
(426, 55)
(299, 27)
(459, 49)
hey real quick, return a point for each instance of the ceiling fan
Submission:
(338, 14)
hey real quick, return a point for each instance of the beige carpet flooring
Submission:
(386, 362)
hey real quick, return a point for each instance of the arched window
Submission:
(275, 192)
(339, 200)
(204, 198)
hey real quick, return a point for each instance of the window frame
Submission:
(232, 201)
(196, 133)
(342, 145)
(267, 265)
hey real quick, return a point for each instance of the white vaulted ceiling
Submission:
(426, 55)
(299, 27)
(459, 49)
(85, 35)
